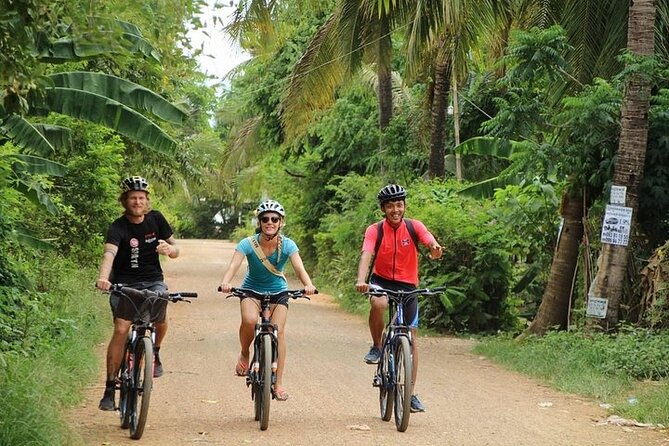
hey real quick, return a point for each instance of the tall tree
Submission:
(628, 172)
(358, 30)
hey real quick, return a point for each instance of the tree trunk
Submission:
(628, 171)
(384, 74)
(554, 308)
(442, 85)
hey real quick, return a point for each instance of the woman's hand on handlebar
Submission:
(225, 287)
(309, 290)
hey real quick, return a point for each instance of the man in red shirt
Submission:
(396, 268)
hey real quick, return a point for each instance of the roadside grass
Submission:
(38, 385)
(628, 371)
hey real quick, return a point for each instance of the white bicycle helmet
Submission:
(270, 206)
(134, 183)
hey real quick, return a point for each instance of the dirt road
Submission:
(199, 401)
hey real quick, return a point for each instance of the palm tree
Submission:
(629, 167)
(358, 30)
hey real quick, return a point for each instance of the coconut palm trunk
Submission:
(554, 308)
(385, 88)
(628, 171)
(442, 85)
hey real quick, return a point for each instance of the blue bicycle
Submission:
(393, 373)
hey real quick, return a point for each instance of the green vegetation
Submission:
(628, 371)
(504, 121)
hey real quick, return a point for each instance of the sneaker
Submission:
(373, 356)
(157, 365)
(416, 405)
(107, 402)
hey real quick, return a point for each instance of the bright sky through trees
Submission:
(219, 53)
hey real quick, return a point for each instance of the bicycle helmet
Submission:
(270, 206)
(391, 192)
(134, 183)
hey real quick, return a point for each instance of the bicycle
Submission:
(393, 372)
(261, 375)
(135, 376)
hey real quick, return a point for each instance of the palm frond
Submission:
(127, 93)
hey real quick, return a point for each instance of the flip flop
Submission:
(242, 368)
(280, 393)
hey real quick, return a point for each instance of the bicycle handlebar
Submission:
(292, 294)
(400, 294)
(145, 294)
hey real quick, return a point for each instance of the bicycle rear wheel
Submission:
(403, 366)
(265, 379)
(143, 383)
(386, 394)
(125, 388)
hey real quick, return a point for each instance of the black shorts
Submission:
(410, 307)
(125, 307)
(282, 300)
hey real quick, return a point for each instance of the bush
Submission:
(475, 265)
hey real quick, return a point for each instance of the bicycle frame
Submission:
(261, 376)
(135, 374)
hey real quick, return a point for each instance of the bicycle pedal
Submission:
(376, 382)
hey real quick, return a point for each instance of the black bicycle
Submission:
(135, 377)
(261, 375)
(393, 373)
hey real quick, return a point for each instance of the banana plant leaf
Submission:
(37, 165)
(127, 93)
(109, 113)
(29, 238)
(36, 194)
(60, 137)
(24, 134)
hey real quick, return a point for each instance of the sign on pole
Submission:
(618, 195)
(616, 225)
(597, 307)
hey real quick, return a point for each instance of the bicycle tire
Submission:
(125, 389)
(143, 384)
(386, 394)
(402, 390)
(265, 379)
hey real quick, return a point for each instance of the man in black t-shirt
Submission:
(131, 257)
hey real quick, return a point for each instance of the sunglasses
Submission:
(267, 219)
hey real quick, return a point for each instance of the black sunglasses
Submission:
(267, 219)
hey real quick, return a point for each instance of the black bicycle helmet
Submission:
(134, 183)
(391, 192)
(270, 206)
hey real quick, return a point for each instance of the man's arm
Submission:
(363, 267)
(108, 256)
(168, 247)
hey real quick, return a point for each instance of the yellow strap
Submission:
(263, 258)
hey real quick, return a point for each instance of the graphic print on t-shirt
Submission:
(150, 237)
(134, 253)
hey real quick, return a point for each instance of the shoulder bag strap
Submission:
(263, 258)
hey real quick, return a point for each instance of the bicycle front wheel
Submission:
(143, 383)
(385, 376)
(403, 367)
(265, 379)
(125, 387)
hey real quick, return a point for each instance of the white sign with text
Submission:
(616, 225)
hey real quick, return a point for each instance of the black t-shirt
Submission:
(137, 259)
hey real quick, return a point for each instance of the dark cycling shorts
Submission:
(410, 307)
(283, 300)
(126, 308)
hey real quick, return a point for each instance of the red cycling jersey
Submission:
(397, 258)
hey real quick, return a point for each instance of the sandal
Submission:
(280, 393)
(242, 368)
